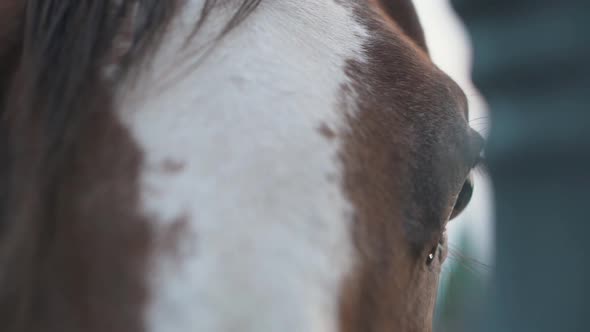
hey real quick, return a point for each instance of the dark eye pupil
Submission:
(463, 198)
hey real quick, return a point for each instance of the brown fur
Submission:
(327, 132)
(405, 158)
(73, 251)
(402, 12)
(172, 166)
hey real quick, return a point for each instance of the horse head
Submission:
(234, 165)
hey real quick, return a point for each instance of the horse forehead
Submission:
(241, 176)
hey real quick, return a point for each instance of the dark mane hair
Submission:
(65, 44)
(52, 59)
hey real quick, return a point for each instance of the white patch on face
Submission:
(267, 238)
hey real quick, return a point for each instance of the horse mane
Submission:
(11, 13)
(65, 46)
(53, 50)
(53, 55)
(66, 43)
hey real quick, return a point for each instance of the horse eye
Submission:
(432, 255)
(463, 198)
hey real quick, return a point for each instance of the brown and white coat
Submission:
(163, 173)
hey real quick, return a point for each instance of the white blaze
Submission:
(267, 235)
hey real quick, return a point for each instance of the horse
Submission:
(229, 165)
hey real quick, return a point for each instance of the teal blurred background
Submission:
(468, 269)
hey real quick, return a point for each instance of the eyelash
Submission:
(480, 165)
(435, 252)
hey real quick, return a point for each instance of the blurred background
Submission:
(471, 253)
